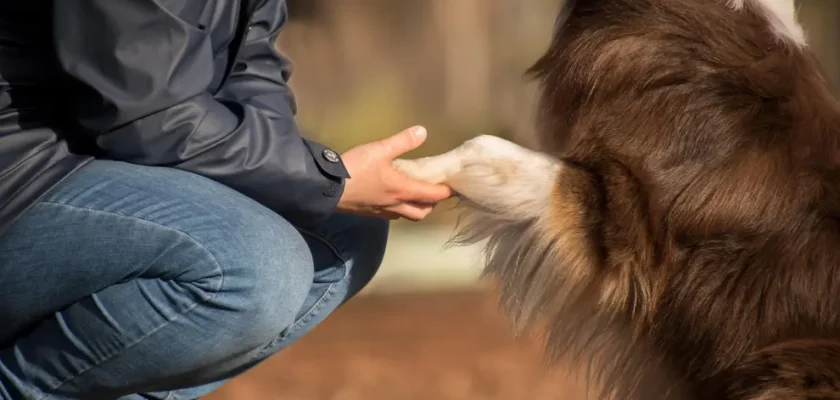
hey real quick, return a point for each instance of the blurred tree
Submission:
(819, 18)
(465, 28)
(305, 10)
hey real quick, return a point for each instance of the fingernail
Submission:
(420, 132)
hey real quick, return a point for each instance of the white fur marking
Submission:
(494, 174)
(781, 15)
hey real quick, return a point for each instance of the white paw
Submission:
(495, 174)
(430, 169)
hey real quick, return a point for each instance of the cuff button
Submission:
(330, 156)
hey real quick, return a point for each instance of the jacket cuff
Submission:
(331, 166)
(329, 161)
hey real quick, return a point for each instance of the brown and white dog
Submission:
(678, 227)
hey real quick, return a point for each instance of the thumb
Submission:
(404, 141)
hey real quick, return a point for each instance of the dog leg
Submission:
(495, 175)
(539, 250)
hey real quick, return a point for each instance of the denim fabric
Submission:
(132, 282)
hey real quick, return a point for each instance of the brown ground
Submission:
(445, 346)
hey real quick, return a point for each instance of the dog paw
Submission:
(491, 172)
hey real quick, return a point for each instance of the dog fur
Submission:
(678, 228)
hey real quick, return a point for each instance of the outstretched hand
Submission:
(376, 188)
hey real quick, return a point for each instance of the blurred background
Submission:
(426, 328)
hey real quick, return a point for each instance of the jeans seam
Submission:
(331, 289)
(309, 314)
(329, 241)
(204, 299)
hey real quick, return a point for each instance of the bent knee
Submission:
(238, 265)
(267, 272)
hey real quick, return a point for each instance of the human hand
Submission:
(377, 189)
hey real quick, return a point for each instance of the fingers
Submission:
(403, 142)
(412, 212)
(421, 192)
(407, 189)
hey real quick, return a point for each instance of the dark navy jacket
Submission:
(155, 82)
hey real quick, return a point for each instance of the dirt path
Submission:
(449, 346)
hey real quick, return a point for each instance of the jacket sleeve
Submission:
(141, 86)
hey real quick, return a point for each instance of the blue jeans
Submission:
(131, 282)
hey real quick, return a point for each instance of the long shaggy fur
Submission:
(678, 230)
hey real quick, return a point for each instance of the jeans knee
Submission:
(267, 277)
